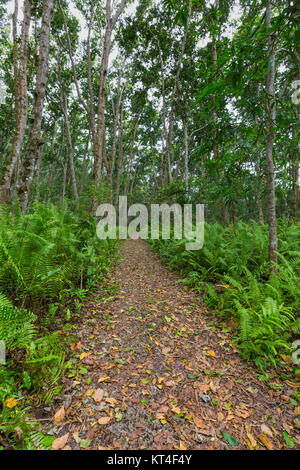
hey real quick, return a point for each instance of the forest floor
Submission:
(153, 372)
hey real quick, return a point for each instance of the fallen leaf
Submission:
(98, 395)
(266, 430)
(104, 420)
(104, 378)
(199, 423)
(59, 415)
(60, 442)
(265, 441)
(112, 401)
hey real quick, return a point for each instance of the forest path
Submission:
(155, 373)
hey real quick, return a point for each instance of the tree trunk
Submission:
(120, 159)
(128, 172)
(99, 137)
(84, 164)
(295, 176)
(34, 141)
(186, 157)
(270, 128)
(64, 105)
(21, 100)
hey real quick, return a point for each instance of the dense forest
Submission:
(165, 102)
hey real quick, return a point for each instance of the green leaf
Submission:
(26, 380)
(84, 443)
(230, 440)
(288, 440)
(120, 361)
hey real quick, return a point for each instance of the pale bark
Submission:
(164, 119)
(34, 140)
(270, 137)
(186, 156)
(98, 141)
(183, 107)
(128, 171)
(20, 59)
(116, 128)
(83, 170)
(216, 149)
(64, 105)
(295, 175)
(120, 155)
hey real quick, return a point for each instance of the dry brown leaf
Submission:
(112, 401)
(104, 420)
(199, 423)
(60, 442)
(266, 430)
(98, 395)
(104, 378)
(59, 415)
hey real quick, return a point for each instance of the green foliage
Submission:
(47, 257)
(232, 272)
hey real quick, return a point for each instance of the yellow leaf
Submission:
(112, 401)
(212, 353)
(265, 441)
(183, 446)
(83, 355)
(104, 420)
(176, 410)
(11, 402)
(104, 378)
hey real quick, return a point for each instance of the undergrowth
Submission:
(49, 260)
(231, 272)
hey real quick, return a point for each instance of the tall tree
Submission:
(34, 137)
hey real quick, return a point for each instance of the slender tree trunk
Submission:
(99, 137)
(295, 176)
(84, 164)
(128, 172)
(21, 100)
(116, 128)
(183, 107)
(120, 159)
(216, 149)
(65, 167)
(270, 125)
(34, 141)
(64, 105)
(186, 156)
(164, 119)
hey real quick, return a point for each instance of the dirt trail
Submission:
(171, 380)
